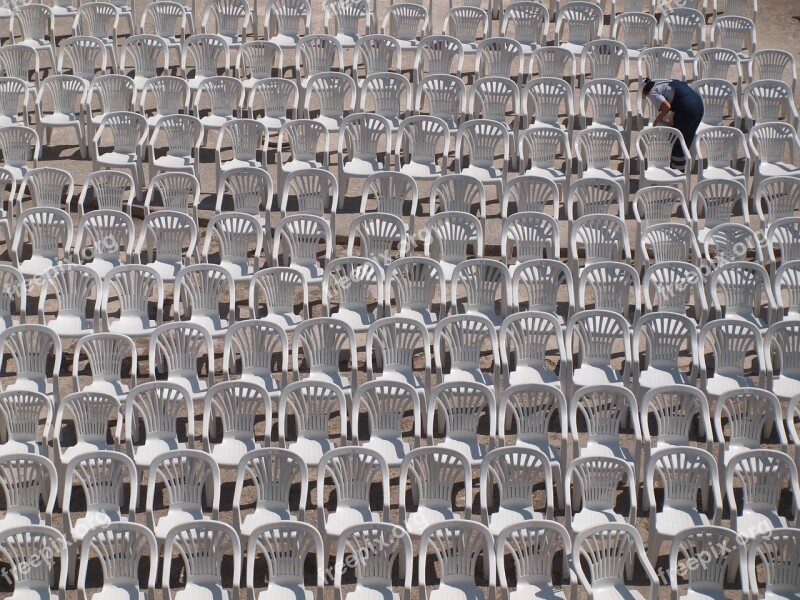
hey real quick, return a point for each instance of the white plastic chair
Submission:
(206, 53)
(343, 18)
(385, 401)
(251, 347)
(584, 23)
(173, 237)
(83, 56)
(389, 96)
(315, 54)
(772, 64)
(279, 98)
(249, 187)
(231, 21)
(769, 143)
(256, 61)
(407, 23)
(133, 286)
(448, 235)
(664, 337)
(119, 547)
(554, 62)
(185, 475)
(733, 242)
(100, 474)
(14, 107)
(284, 548)
(458, 193)
(444, 96)
(414, 283)
(517, 472)
(176, 348)
(306, 139)
(73, 287)
(432, 473)
(149, 55)
(438, 55)
(607, 100)
(594, 149)
(184, 134)
(731, 341)
(170, 96)
(786, 283)
(380, 545)
(27, 480)
(234, 233)
(128, 132)
(349, 282)
(170, 21)
(675, 287)
(605, 59)
(106, 354)
(153, 410)
(542, 280)
(101, 20)
(353, 470)
(202, 548)
(683, 29)
(683, 473)
(775, 550)
(114, 93)
(602, 237)
(19, 545)
(528, 236)
(637, 30)
(546, 99)
(224, 96)
(776, 198)
(533, 546)
(237, 404)
(609, 552)
(460, 406)
(45, 229)
(37, 30)
(378, 234)
(316, 192)
(457, 547)
(477, 143)
(278, 286)
(175, 191)
(668, 242)
(67, 96)
(378, 53)
(780, 343)
(13, 296)
(467, 24)
(47, 186)
(539, 148)
(418, 140)
(528, 21)
(462, 338)
(592, 484)
(499, 57)
(199, 292)
(708, 579)
(769, 101)
(655, 146)
(744, 286)
(783, 235)
(21, 412)
(323, 340)
(760, 474)
(272, 472)
(300, 237)
(284, 20)
(487, 285)
(721, 148)
(719, 201)
(312, 402)
(21, 62)
(365, 137)
(736, 33)
(604, 409)
(247, 138)
(743, 419)
(716, 64)
(335, 93)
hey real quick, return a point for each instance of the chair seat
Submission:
(671, 521)
(654, 377)
(392, 449)
(372, 592)
(511, 516)
(193, 591)
(143, 455)
(663, 175)
(586, 518)
(424, 516)
(112, 591)
(346, 516)
(586, 375)
(719, 384)
(525, 374)
(460, 592)
(229, 452)
(592, 448)
(175, 516)
(311, 449)
(263, 516)
(473, 450)
(536, 592)
(777, 170)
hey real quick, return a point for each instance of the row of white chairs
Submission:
(192, 480)
(600, 561)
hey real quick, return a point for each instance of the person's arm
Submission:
(662, 112)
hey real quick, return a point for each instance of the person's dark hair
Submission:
(648, 85)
